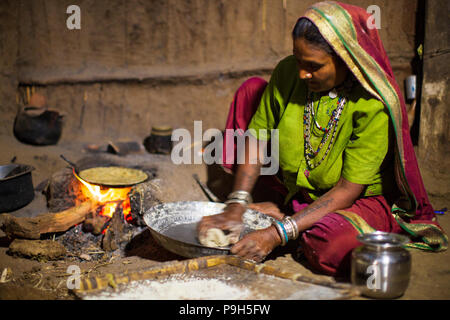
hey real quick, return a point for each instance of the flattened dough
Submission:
(214, 238)
(113, 176)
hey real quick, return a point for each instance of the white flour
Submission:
(176, 289)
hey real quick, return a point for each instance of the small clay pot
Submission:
(160, 140)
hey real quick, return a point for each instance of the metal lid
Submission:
(11, 171)
(383, 239)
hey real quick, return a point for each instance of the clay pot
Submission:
(38, 126)
(159, 141)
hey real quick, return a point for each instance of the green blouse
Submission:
(360, 152)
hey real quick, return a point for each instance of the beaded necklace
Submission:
(329, 130)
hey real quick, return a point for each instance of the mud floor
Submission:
(33, 279)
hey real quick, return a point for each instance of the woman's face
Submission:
(320, 70)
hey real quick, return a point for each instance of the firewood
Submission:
(142, 197)
(63, 191)
(96, 224)
(113, 234)
(37, 249)
(32, 228)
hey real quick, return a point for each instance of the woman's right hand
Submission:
(229, 220)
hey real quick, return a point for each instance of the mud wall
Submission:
(134, 64)
(9, 11)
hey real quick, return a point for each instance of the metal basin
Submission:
(173, 225)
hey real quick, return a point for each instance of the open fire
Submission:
(108, 199)
(111, 222)
(90, 221)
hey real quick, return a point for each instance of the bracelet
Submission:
(281, 232)
(293, 228)
(243, 202)
(240, 195)
(289, 229)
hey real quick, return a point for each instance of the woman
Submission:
(345, 154)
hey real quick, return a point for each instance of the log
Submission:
(96, 224)
(32, 228)
(63, 191)
(37, 249)
(111, 240)
(142, 198)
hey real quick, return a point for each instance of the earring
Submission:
(333, 94)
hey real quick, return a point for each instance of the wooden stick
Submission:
(28, 95)
(32, 228)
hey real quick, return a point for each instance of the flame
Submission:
(126, 207)
(109, 198)
(108, 209)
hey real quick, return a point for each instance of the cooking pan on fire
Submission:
(109, 177)
(173, 225)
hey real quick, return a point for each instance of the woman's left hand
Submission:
(268, 208)
(257, 244)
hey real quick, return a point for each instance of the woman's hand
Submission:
(268, 208)
(257, 244)
(229, 220)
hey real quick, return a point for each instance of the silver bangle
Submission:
(241, 195)
(280, 233)
(243, 202)
(292, 227)
(289, 229)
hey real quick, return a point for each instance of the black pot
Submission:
(16, 187)
(38, 126)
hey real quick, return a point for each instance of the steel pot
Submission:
(381, 267)
(16, 186)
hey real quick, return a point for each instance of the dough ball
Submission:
(214, 238)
